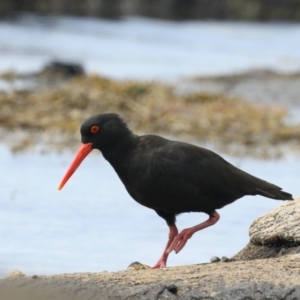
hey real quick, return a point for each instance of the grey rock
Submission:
(275, 234)
(214, 259)
(225, 259)
(280, 226)
(260, 86)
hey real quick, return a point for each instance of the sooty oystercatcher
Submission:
(169, 177)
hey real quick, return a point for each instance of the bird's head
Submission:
(103, 132)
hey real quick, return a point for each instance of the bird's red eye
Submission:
(94, 129)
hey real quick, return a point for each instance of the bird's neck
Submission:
(119, 151)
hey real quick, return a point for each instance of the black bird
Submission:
(169, 177)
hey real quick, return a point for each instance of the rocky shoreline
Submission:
(256, 10)
(242, 277)
(260, 86)
(241, 115)
(276, 278)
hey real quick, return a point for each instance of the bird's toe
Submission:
(160, 264)
(179, 241)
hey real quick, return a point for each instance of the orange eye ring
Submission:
(94, 129)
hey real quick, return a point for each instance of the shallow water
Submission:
(149, 49)
(94, 225)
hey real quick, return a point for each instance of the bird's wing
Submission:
(208, 171)
(185, 177)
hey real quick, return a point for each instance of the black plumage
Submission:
(171, 177)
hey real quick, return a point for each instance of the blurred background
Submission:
(220, 74)
(256, 10)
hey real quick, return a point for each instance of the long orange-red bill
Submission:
(81, 154)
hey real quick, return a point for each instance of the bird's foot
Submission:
(160, 264)
(180, 240)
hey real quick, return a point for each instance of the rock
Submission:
(172, 288)
(278, 227)
(275, 234)
(34, 277)
(214, 259)
(137, 266)
(63, 69)
(261, 86)
(15, 274)
(225, 259)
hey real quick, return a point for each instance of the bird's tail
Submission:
(275, 193)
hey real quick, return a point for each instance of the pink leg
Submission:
(162, 262)
(180, 240)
